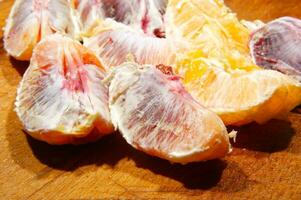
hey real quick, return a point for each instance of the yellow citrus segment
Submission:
(211, 29)
(241, 97)
(61, 98)
(213, 59)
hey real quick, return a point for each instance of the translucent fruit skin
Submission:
(61, 98)
(30, 21)
(155, 114)
(117, 45)
(277, 46)
(142, 15)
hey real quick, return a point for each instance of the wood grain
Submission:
(265, 162)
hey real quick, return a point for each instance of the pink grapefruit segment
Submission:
(61, 98)
(155, 114)
(31, 20)
(116, 46)
(277, 46)
(142, 15)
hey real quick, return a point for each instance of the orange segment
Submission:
(242, 97)
(155, 114)
(210, 28)
(61, 97)
(141, 15)
(213, 59)
(30, 21)
(115, 44)
(277, 46)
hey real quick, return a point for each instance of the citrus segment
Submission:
(142, 15)
(155, 114)
(61, 97)
(242, 97)
(30, 21)
(277, 46)
(213, 59)
(211, 29)
(117, 45)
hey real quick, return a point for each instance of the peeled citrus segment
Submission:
(277, 46)
(240, 97)
(31, 20)
(210, 28)
(143, 15)
(155, 114)
(61, 98)
(213, 59)
(114, 47)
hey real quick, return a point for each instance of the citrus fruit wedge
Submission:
(117, 43)
(211, 29)
(61, 98)
(238, 96)
(213, 59)
(277, 46)
(142, 15)
(155, 114)
(31, 20)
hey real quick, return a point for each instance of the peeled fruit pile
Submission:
(155, 114)
(118, 31)
(61, 98)
(277, 46)
(169, 75)
(217, 68)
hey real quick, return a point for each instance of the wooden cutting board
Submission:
(265, 162)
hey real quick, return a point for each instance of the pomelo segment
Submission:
(31, 20)
(61, 98)
(213, 59)
(142, 15)
(116, 45)
(240, 97)
(209, 28)
(277, 46)
(155, 114)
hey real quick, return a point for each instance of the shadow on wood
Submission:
(20, 66)
(111, 149)
(11, 69)
(33, 155)
(297, 110)
(271, 137)
(200, 175)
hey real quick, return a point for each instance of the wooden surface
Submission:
(265, 162)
